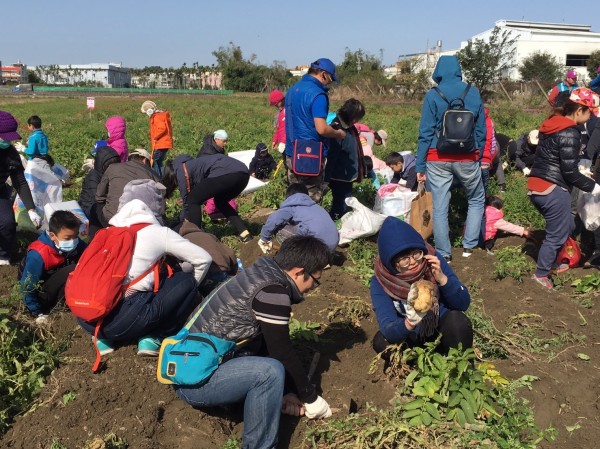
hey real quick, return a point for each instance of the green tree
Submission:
(593, 63)
(360, 65)
(412, 78)
(541, 66)
(485, 61)
(32, 77)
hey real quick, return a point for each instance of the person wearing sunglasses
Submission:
(405, 258)
(306, 128)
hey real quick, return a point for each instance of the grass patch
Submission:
(362, 254)
(511, 262)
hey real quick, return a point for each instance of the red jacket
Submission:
(490, 151)
(161, 131)
(279, 135)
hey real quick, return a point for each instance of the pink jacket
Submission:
(279, 135)
(116, 136)
(378, 164)
(494, 222)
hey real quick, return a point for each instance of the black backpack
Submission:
(458, 125)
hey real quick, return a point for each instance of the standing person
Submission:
(490, 161)
(404, 261)
(345, 157)
(555, 172)
(11, 166)
(37, 144)
(441, 169)
(277, 100)
(116, 128)
(215, 176)
(567, 85)
(161, 134)
(256, 306)
(306, 109)
(214, 143)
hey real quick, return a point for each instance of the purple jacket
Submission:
(116, 136)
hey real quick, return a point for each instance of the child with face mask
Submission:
(49, 260)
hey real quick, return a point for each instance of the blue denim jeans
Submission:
(556, 209)
(258, 381)
(440, 178)
(147, 314)
(159, 157)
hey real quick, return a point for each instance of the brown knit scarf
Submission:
(398, 285)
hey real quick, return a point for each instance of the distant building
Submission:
(300, 70)
(570, 44)
(15, 73)
(171, 79)
(101, 75)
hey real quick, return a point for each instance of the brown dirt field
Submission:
(126, 399)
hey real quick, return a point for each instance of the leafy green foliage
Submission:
(362, 254)
(511, 262)
(484, 61)
(541, 66)
(232, 443)
(588, 283)
(109, 441)
(517, 205)
(304, 330)
(69, 397)
(351, 310)
(593, 63)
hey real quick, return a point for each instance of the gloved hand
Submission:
(265, 247)
(596, 190)
(526, 171)
(35, 218)
(42, 320)
(412, 315)
(504, 165)
(318, 409)
(19, 146)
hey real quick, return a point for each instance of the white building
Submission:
(570, 44)
(102, 75)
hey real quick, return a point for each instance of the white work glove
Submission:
(596, 190)
(186, 267)
(42, 320)
(35, 218)
(19, 146)
(265, 247)
(412, 315)
(318, 409)
(504, 165)
(402, 182)
(526, 171)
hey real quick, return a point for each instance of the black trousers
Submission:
(222, 189)
(52, 290)
(454, 326)
(8, 225)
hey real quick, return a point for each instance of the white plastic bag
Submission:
(588, 208)
(359, 222)
(45, 188)
(72, 206)
(393, 200)
(61, 172)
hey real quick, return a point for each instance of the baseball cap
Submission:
(571, 74)
(275, 97)
(383, 135)
(8, 127)
(586, 97)
(140, 152)
(220, 134)
(326, 65)
(533, 137)
(262, 147)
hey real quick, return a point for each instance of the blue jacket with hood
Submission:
(448, 76)
(395, 237)
(408, 173)
(311, 219)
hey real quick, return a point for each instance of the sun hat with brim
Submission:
(586, 97)
(8, 127)
(148, 105)
(325, 64)
(140, 152)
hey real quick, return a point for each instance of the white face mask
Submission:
(67, 246)
(149, 112)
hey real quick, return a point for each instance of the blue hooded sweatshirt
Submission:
(408, 173)
(448, 76)
(395, 237)
(310, 219)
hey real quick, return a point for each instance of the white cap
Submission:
(220, 134)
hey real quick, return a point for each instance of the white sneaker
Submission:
(467, 252)
(4, 261)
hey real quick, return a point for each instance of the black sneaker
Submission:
(467, 252)
(448, 258)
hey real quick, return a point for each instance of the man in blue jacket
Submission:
(443, 170)
(306, 108)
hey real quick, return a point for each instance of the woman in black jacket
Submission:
(555, 172)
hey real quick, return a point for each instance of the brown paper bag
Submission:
(421, 212)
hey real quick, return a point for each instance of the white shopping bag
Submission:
(359, 222)
(588, 208)
(394, 200)
(72, 206)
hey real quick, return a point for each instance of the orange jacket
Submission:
(161, 131)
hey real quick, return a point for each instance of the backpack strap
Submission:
(462, 97)
(187, 178)
(439, 91)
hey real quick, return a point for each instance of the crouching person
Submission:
(416, 295)
(49, 260)
(150, 309)
(255, 306)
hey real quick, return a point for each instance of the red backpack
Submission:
(96, 285)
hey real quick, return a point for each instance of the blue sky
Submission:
(169, 33)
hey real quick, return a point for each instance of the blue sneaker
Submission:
(104, 346)
(148, 346)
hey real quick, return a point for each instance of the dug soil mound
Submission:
(125, 399)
